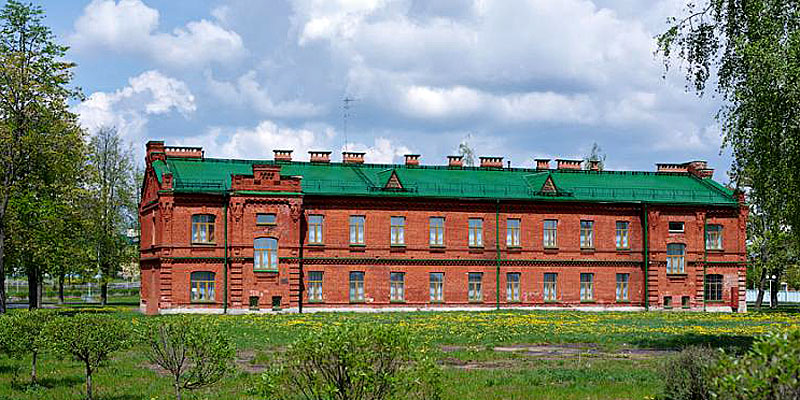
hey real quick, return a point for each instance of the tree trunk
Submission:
(104, 293)
(2, 269)
(33, 288)
(177, 390)
(773, 295)
(61, 288)
(760, 297)
(88, 382)
(33, 367)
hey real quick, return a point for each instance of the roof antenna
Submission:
(346, 116)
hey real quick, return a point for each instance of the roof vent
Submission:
(320, 156)
(352, 157)
(412, 159)
(491, 162)
(282, 155)
(672, 167)
(542, 163)
(183, 151)
(455, 161)
(568, 164)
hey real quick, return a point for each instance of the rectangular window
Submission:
(315, 223)
(667, 302)
(202, 286)
(266, 219)
(685, 302)
(512, 286)
(437, 231)
(315, 285)
(713, 287)
(587, 287)
(622, 287)
(623, 233)
(397, 286)
(550, 233)
(398, 231)
(550, 286)
(676, 258)
(475, 227)
(512, 232)
(676, 227)
(357, 229)
(587, 234)
(437, 286)
(356, 286)
(202, 228)
(474, 287)
(714, 237)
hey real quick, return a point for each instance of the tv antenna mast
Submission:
(346, 114)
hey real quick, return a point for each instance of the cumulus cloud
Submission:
(130, 26)
(128, 109)
(246, 91)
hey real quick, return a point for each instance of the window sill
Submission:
(624, 250)
(357, 301)
(203, 302)
(437, 301)
(513, 301)
(551, 301)
(668, 308)
(715, 301)
(315, 301)
(677, 275)
(513, 247)
(266, 224)
(397, 301)
(204, 243)
(587, 249)
(473, 247)
(266, 270)
(624, 301)
(715, 250)
(400, 246)
(315, 244)
(437, 246)
(551, 250)
(358, 245)
(476, 302)
(588, 301)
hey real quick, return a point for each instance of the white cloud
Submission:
(248, 92)
(130, 26)
(127, 109)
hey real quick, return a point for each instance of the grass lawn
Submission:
(485, 355)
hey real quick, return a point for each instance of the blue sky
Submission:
(518, 79)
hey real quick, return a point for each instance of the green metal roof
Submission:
(211, 175)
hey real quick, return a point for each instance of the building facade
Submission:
(256, 236)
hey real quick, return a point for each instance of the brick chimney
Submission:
(155, 151)
(568, 164)
(352, 157)
(412, 159)
(455, 161)
(183, 151)
(672, 167)
(319, 156)
(699, 169)
(542, 163)
(491, 162)
(594, 165)
(282, 155)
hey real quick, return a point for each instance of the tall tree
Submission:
(34, 90)
(466, 151)
(771, 253)
(114, 188)
(749, 52)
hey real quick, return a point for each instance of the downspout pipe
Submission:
(497, 248)
(705, 255)
(300, 261)
(226, 199)
(646, 258)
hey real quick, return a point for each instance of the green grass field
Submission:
(485, 355)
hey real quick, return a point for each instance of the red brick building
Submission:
(237, 235)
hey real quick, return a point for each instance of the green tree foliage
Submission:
(466, 151)
(595, 154)
(749, 52)
(22, 335)
(194, 351)
(89, 339)
(354, 362)
(114, 194)
(686, 374)
(769, 371)
(770, 252)
(36, 128)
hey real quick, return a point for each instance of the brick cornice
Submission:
(443, 262)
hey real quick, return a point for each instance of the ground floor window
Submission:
(668, 302)
(356, 286)
(713, 287)
(437, 286)
(474, 286)
(685, 301)
(397, 286)
(550, 286)
(622, 287)
(315, 285)
(587, 287)
(202, 283)
(512, 286)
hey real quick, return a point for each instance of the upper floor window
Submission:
(475, 232)
(398, 231)
(202, 286)
(437, 231)
(265, 254)
(623, 234)
(550, 235)
(315, 223)
(512, 232)
(587, 234)
(266, 219)
(357, 229)
(714, 237)
(676, 227)
(203, 228)
(676, 258)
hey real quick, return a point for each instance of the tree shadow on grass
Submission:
(123, 396)
(731, 343)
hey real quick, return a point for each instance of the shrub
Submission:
(88, 338)
(354, 362)
(687, 374)
(768, 371)
(22, 334)
(193, 350)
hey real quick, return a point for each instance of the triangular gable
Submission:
(549, 186)
(393, 183)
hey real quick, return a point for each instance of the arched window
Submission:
(676, 258)
(713, 287)
(202, 228)
(202, 283)
(265, 254)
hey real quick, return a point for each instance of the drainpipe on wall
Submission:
(705, 255)
(226, 198)
(300, 262)
(497, 248)
(646, 259)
